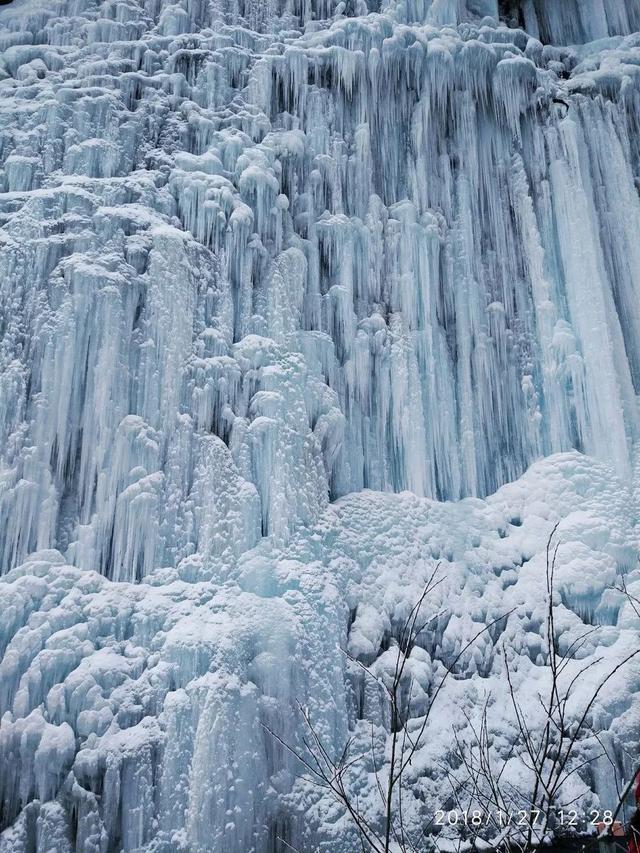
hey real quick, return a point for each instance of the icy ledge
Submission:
(131, 711)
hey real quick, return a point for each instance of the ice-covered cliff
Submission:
(260, 256)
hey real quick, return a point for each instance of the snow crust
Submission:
(298, 299)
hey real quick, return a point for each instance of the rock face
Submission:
(264, 266)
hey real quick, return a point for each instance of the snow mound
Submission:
(124, 706)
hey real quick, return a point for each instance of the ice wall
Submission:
(256, 256)
(574, 21)
(362, 254)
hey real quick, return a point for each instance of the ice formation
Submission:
(300, 298)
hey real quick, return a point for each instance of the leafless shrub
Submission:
(549, 753)
(330, 773)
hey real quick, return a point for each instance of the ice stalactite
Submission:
(576, 22)
(358, 195)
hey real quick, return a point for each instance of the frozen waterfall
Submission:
(298, 299)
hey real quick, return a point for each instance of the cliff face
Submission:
(256, 257)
